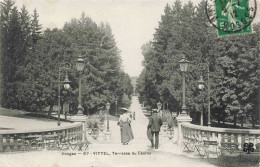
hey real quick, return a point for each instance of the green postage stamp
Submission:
(231, 17)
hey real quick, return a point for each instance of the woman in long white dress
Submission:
(125, 128)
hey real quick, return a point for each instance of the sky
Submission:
(133, 22)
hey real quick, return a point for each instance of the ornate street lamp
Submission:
(184, 64)
(80, 68)
(183, 67)
(201, 83)
(108, 107)
(66, 83)
(201, 87)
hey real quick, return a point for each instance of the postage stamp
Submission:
(231, 17)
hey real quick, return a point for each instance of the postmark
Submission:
(231, 17)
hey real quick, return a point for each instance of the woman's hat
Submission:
(124, 109)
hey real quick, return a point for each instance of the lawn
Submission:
(24, 114)
(40, 116)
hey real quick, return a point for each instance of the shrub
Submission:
(171, 122)
(101, 118)
(92, 124)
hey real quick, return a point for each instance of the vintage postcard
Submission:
(129, 83)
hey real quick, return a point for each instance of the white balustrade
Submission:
(221, 135)
(16, 140)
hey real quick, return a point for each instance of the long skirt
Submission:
(126, 132)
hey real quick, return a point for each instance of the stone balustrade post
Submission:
(82, 119)
(181, 119)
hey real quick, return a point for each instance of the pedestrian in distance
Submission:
(155, 123)
(125, 128)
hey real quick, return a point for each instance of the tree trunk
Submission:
(219, 116)
(70, 109)
(235, 119)
(41, 108)
(197, 118)
(205, 117)
(253, 121)
(61, 106)
(242, 121)
(50, 111)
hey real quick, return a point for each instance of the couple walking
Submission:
(125, 127)
(153, 128)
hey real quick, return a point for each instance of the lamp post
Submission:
(201, 87)
(116, 107)
(80, 68)
(108, 107)
(159, 106)
(66, 83)
(183, 67)
(108, 133)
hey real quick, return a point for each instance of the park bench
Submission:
(188, 143)
(211, 148)
(201, 144)
(199, 147)
(194, 143)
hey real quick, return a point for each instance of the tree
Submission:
(30, 81)
(6, 9)
(234, 73)
(11, 35)
(126, 102)
(102, 77)
(35, 28)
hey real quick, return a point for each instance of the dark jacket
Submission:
(155, 123)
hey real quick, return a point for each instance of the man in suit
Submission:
(154, 125)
